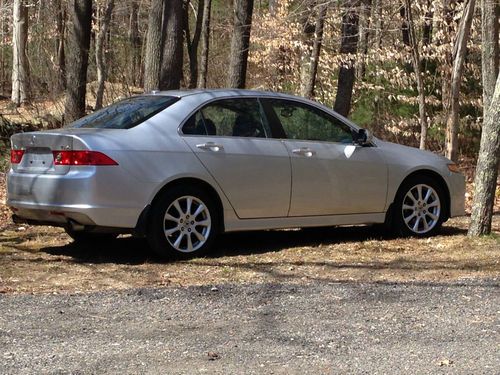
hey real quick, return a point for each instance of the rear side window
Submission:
(126, 113)
(240, 117)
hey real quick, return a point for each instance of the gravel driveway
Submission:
(325, 328)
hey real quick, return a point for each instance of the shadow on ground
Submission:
(130, 250)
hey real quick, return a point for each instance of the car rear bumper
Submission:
(86, 196)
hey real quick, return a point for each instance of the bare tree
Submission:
(310, 66)
(364, 36)
(418, 74)
(459, 51)
(78, 58)
(490, 57)
(205, 39)
(154, 46)
(135, 41)
(487, 168)
(100, 54)
(60, 37)
(349, 44)
(20, 67)
(240, 43)
(192, 44)
(489, 152)
(171, 65)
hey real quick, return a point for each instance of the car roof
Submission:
(221, 93)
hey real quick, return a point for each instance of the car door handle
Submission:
(210, 146)
(304, 151)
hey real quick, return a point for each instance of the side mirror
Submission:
(364, 137)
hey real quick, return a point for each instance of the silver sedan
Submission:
(180, 167)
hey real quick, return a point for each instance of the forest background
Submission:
(421, 73)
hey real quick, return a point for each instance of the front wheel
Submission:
(419, 208)
(183, 224)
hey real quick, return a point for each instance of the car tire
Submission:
(419, 208)
(183, 223)
(88, 237)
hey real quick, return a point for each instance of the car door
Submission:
(231, 137)
(330, 175)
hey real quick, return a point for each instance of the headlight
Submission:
(453, 168)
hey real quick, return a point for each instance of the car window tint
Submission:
(301, 121)
(229, 117)
(126, 113)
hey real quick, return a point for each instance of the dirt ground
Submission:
(43, 260)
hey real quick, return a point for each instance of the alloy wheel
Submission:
(421, 208)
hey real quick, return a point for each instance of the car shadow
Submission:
(134, 251)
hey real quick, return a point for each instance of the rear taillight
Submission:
(16, 156)
(82, 158)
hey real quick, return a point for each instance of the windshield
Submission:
(126, 113)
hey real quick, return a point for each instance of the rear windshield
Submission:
(126, 113)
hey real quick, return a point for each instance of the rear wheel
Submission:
(419, 208)
(184, 223)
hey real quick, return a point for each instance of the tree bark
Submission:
(60, 37)
(20, 67)
(447, 65)
(428, 19)
(459, 51)
(205, 39)
(490, 57)
(135, 42)
(418, 74)
(309, 80)
(306, 21)
(487, 168)
(171, 66)
(240, 43)
(154, 46)
(192, 44)
(77, 63)
(364, 36)
(347, 73)
(100, 53)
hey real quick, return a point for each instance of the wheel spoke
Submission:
(179, 240)
(415, 226)
(432, 216)
(433, 204)
(427, 195)
(171, 218)
(189, 202)
(189, 242)
(199, 210)
(198, 235)
(408, 207)
(426, 225)
(408, 219)
(178, 208)
(168, 232)
(419, 190)
(203, 223)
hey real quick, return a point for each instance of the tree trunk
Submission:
(348, 46)
(377, 17)
(154, 46)
(171, 66)
(78, 59)
(205, 39)
(310, 79)
(307, 36)
(240, 43)
(364, 36)
(418, 74)
(405, 29)
(135, 42)
(489, 31)
(487, 168)
(428, 18)
(192, 45)
(60, 36)
(20, 67)
(447, 65)
(100, 54)
(459, 51)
